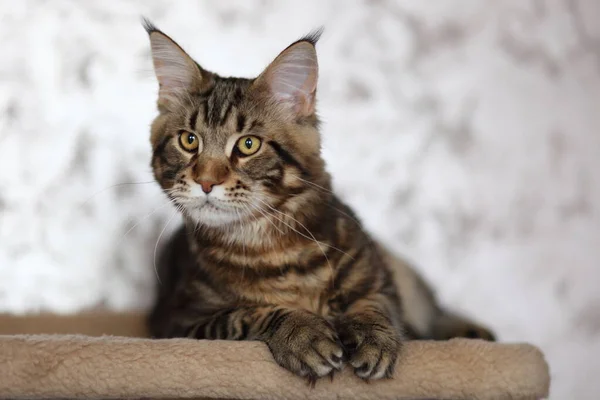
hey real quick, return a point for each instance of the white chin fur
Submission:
(212, 216)
(203, 211)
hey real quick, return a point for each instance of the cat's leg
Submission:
(371, 336)
(300, 341)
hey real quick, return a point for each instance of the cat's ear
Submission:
(177, 73)
(291, 79)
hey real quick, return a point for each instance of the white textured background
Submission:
(466, 133)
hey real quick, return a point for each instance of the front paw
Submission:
(372, 347)
(307, 345)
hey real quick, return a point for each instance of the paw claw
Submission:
(374, 352)
(308, 347)
(389, 373)
(331, 376)
(311, 380)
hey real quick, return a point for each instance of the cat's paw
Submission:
(372, 349)
(307, 345)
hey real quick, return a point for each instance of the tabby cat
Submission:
(267, 251)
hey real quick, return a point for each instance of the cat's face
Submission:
(229, 149)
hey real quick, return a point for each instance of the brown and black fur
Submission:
(296, 269)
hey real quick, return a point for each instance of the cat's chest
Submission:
(303, 291)
(297, 277)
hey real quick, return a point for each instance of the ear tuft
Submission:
(292, 77)
(312, 37)
(177, 73)
(149, 26)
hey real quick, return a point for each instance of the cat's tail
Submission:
(423, 316)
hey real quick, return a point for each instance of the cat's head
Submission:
(228, 149)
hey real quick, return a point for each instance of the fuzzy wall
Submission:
(465, 133)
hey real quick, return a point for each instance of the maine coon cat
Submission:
(267, 251)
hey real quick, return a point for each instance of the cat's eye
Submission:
(248, 145)
(189, 141)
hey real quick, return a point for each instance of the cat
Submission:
(267, 251)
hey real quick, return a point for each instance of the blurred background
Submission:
(465, 133)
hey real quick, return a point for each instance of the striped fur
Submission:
(270, 253)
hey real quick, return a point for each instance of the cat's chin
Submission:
(213, 216)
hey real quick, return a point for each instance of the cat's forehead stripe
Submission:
(255, 124)
(241, 122)
(225, 96)
(193, 119)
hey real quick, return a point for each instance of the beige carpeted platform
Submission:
(44, 357)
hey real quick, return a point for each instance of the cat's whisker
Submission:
(266, 215)
(312, 237)
(116, 185)
(306, 229)
(196, 228)
(147, 216)
(158, 241)
(247, 208)
(237, 212)
(241, 224)
(325, 190)
(313, 184)
(346, 214)
(249, 211)
(301, 234)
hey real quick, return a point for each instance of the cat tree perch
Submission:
(37, 365)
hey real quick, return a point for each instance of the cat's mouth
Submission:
(215, 206)
(212, 212)
(204, 202)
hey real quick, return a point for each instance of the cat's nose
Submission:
(208, 185)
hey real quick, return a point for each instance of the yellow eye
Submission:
(189, 141)
(248, 145)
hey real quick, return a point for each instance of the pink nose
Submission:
(208, 185)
